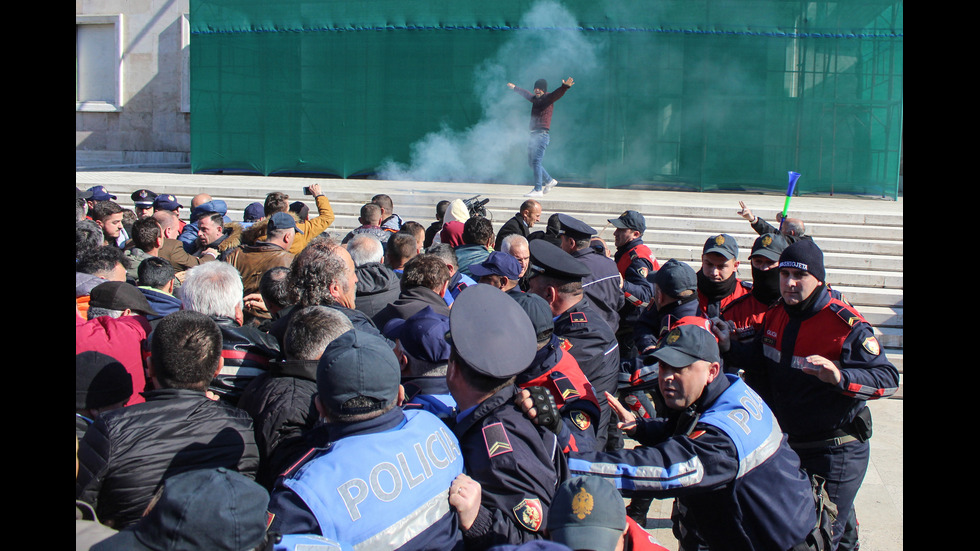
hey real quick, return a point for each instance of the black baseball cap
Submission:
(722, 244)
(358, 364)
(120, 295)
(631, 220)
(686, 344)
(769, 245)
(675, 276)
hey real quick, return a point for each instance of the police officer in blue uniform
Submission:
(378, 476)
(675, 296)
(517, 463)
(557, 278)
(720, 452)
(603, 285)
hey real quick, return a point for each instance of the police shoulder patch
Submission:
(577, 317)
(871, 345)
(581, 419)
(847, 314)
(566, 389)
(529, 513)
(643, 271)
(496, 439)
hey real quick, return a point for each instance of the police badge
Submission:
(529, 513)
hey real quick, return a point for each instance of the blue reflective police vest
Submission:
(380, 490)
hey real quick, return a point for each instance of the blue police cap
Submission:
(537, 310)
(575, 228)
(422, 336)
(166, 202)
(498, 263)
(491, 332)
(100, 193)
(548, 259)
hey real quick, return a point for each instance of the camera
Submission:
(477, 207)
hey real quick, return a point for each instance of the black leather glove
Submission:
(547, 410)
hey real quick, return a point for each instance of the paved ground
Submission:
(880, 502)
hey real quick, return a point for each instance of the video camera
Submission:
(477, 207)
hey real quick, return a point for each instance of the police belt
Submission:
(836, 439)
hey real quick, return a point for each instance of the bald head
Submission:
(793, 227)
(199, 200)
(169, 223)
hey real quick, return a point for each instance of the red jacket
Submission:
(122, 338)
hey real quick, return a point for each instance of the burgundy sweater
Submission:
(541, 108)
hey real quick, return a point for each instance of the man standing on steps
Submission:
(541, 108)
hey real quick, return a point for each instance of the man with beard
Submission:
(718, 282)
(747, 311)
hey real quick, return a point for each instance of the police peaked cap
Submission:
(575, 228)
(548, 259)
(491, 332)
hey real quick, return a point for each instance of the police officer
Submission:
(517, 463)
(635, 262)
(603, 285)
(557, 278)
(747, 311)
(720, 452)
(816, 362)
(376, 468)
(718, 282)
(143, 203)
(501, 270)
(558, 371)
(674, 296)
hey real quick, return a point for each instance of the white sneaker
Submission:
(534, 193)
(549, 185)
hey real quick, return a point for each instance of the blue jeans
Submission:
(535, 154)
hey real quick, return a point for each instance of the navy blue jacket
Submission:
(519, 466)
(726, 460)
(602, 286)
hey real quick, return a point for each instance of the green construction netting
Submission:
(686, 94)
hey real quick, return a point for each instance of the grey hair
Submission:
(213, 289)
(508, 242)
(365, 249)
(311, 329)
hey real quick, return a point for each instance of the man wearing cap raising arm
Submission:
(603, 285)
(518, 464)
(557, 278)
(635, 262)
(720, 452)
(718, 282)
(816, 362)
(379, 476)
(542, 106)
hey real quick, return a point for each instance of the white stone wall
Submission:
(151, 124)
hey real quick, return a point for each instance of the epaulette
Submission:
(846, 313)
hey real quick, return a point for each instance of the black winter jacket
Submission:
(128, 452)
(377, 286)
(282, 408)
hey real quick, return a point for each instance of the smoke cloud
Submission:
(548, 45)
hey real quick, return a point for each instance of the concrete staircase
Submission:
(862, 238)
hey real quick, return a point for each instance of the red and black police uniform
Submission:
(713, 296)
(555, 369)
(635, 261)
(828, 425)
(602, 284)
(518, 464)
(747, 311)
(724, 459)
(593, 343)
